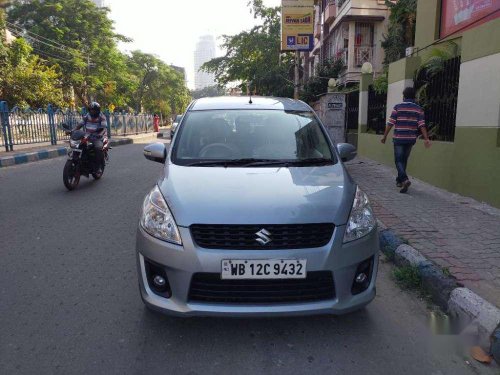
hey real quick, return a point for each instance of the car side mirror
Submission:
(156, 152)
(346, 151)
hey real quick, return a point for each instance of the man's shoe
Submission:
(406, 185)
(399, 184)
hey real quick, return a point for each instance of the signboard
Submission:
(336, 106)
(457, 15)
(297, 26)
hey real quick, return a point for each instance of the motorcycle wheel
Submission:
(98, 174)
(71, 177)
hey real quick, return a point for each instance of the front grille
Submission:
(209, 287)
(245, 237)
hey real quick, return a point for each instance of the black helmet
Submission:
(94, 109)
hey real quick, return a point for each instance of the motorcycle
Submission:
(82, 158)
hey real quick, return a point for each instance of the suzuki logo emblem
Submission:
(263, 237)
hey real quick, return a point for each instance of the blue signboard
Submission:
(300, 42)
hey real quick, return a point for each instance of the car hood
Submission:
(216, 195)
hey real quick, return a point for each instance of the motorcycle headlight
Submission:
(157, 220)
(74, 144)
(361, 221)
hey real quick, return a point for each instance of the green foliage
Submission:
(318, 84)
(3, 48)
(26, 80)
(401, 30)
(92, 59)
(253, 57)
(82, 56)
(408, 277)
(381, 84)
(209, 91)
(433, 65)
(156, 87)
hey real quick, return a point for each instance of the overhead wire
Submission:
(59, 44)
(21, 32)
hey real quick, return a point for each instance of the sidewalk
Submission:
(457, 233)
(35, 152)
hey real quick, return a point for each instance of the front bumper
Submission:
(181, 262)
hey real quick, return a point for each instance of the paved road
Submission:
(69, 301)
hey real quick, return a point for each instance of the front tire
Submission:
(71, 175)
(98, 174)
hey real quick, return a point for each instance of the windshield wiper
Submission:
(254, 162)
(230, 162)
(311, 161)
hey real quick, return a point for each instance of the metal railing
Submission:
(126, 124)
(23, 127)
(363, 54)
(377, 111)
(437, 93)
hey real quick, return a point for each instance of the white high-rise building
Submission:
(205, 51)
(100, 3)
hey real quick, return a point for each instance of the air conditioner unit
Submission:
(410, 51)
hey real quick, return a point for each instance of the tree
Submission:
(318, 84)
(401, 31)
(27, 81)
(79, 37)
(254, 57)
(156, 86)
(209, 91)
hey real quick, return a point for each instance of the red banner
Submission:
(462, 14)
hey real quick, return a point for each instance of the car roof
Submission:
(243, 102)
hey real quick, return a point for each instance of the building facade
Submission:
(205, 51)
(468, 162)
(351, 30)
(100, 3)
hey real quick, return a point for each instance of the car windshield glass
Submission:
(251, 138)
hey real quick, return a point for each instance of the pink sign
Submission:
(457, 15)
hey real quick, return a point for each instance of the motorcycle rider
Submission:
(91, 122)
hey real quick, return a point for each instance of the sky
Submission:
(171, 28)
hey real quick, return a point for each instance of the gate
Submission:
(351, 117)
(377, 109)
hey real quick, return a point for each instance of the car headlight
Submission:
(157, 219)
(362, 220)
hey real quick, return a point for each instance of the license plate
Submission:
(264, 269)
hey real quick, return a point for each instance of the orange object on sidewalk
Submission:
(156, 123)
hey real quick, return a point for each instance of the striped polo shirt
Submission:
(407, 118)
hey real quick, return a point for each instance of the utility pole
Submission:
(296, 80)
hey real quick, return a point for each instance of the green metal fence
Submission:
(22, 127)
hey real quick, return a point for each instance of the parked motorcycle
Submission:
(82, 157)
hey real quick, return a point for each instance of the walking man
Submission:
(408, 120)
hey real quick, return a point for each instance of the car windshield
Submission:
(257, 137)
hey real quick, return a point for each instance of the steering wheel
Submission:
(210, 150)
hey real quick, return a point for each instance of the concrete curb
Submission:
(31, 157)
(462, 303)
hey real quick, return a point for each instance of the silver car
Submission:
(255, 215)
